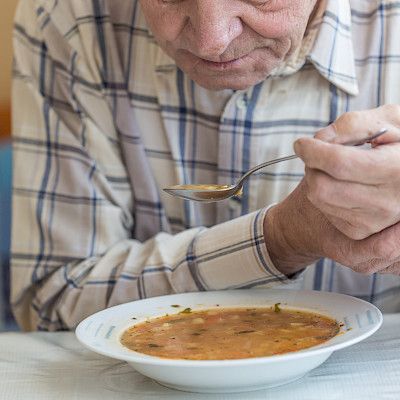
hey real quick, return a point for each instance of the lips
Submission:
(222, 65)
(223, 61)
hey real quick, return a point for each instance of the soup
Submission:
(201, 187)
(229, 333)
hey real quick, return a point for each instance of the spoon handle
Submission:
(265, 164)
(358, 142)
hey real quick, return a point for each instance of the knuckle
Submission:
(345, 228)
(358, 234)
(350, 120)
(393, 110)
(364, 227)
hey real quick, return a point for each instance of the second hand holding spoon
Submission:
(210, 193)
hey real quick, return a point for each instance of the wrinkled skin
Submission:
(348, 204)
(228, 44)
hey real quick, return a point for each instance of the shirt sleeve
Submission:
(73, 251)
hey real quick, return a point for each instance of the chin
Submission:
(241, 74)
(240, 78)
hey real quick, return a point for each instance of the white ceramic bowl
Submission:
(101, 333)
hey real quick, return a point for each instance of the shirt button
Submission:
(241, 102)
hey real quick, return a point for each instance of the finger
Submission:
(341, 162)
(380, 250)
(324, 189)
(371, 266)
(356, 225)
(351, 126)
(376, 253)
(391, 136)
(370, 208)
(379, 165)
(356, 125)
(379, 265)
(350, 230)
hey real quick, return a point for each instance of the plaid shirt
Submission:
(103, 119)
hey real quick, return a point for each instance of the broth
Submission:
(229, 333)
(201, 187)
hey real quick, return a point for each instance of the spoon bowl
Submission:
(208, 193)
(203, 193)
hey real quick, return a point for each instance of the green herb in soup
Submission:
(230, 333)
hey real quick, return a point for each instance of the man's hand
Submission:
(356, 189)
(297, 234)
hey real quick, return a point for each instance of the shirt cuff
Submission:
(233, 255)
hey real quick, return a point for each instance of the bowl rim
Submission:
(139, 358)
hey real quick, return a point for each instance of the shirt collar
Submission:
(327, 45)
(332, 53)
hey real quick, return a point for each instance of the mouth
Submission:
(223, 65)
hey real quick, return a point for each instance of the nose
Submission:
(211, 28)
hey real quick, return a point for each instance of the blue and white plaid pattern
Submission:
(103, 119)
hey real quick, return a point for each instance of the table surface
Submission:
(50, 366)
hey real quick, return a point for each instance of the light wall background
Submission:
(6, 22)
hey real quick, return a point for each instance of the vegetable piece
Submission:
(277, 308)
(186, 311)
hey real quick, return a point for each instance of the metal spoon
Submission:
(210, 193)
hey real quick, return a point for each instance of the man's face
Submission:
(228, 44)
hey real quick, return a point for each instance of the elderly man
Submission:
(116, 99)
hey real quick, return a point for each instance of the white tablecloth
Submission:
(54, 366)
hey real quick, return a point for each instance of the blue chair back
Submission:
(6, 319)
